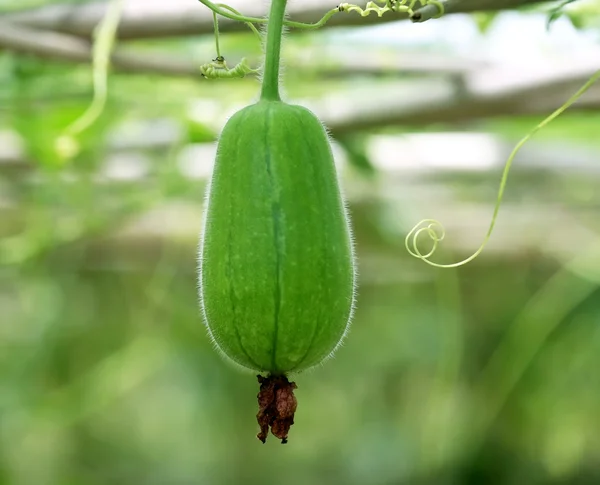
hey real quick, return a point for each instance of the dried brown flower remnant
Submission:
(276, 407)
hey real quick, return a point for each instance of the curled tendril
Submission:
(217, 69)
(397, 6)
(434, 230)
(411, 241)
(371, 7)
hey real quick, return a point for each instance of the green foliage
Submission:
(39, 119)
(16, 5)
(557, 12)
(583, 14)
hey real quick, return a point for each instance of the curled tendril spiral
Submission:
(397, 6)
(429, 225)
(434, 230)
(217, 69)
(371, 7)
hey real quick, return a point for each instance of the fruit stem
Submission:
(270, 84)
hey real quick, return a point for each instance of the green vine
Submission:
(229, 13)
(395, 6)
(218, 69)
(104, 39)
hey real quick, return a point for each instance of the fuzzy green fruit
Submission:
(276, 261)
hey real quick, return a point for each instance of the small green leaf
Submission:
(557, 12)
(199, 133)
(355, 149)
(484, 20)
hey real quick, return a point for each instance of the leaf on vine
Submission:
(484, 20)
(558, 12)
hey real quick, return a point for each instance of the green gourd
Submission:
(277, 272)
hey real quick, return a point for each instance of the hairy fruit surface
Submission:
(276, 262)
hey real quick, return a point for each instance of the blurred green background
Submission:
(486, 374)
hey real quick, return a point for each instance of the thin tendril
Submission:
(218, 69)
(234, 15)
(216, 31)
(249, 24)
(104, 36)
(411, 241)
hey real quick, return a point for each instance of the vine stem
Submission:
(66, 144)
(270, 84)
(256, 20)
(249, 24)
(105, 38)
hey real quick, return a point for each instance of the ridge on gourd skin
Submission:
(277, 270)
